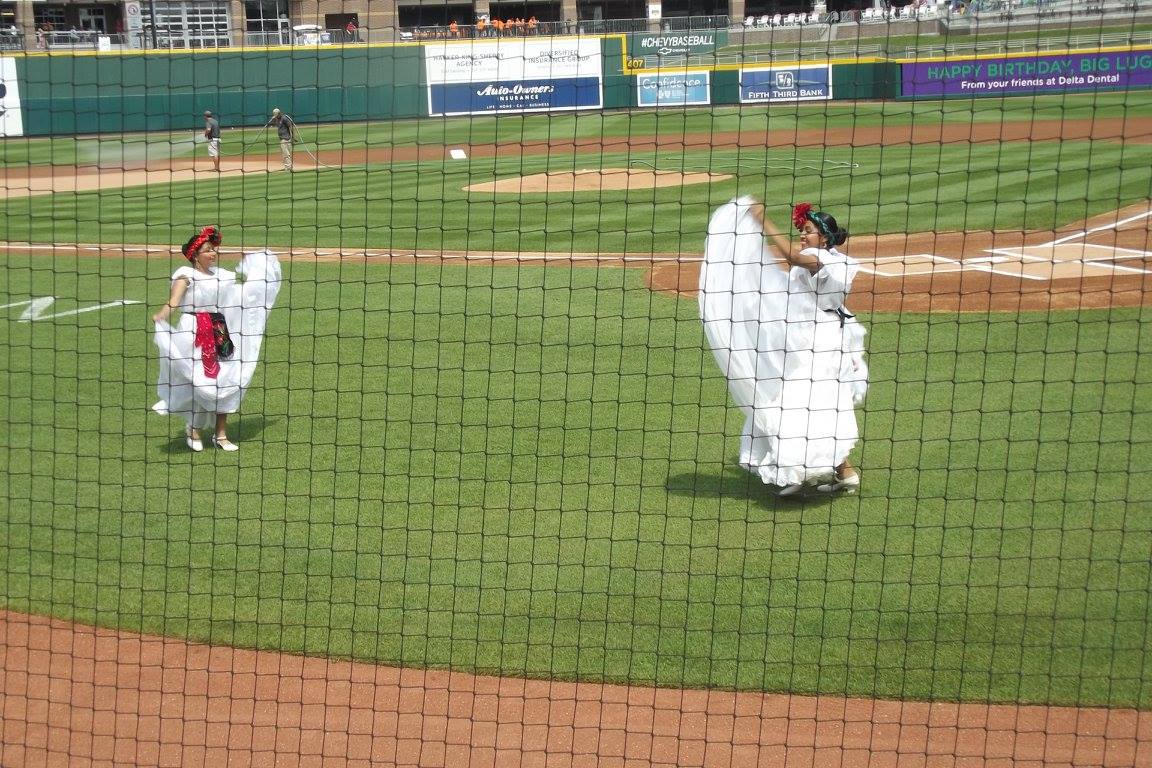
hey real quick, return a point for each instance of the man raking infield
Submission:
(286, 130)
(212, 134)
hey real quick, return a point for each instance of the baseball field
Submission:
(487, 437)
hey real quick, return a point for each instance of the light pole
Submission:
(152, 15)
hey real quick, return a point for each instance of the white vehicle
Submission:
(310, 34)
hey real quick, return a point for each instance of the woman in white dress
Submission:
(793, 356)
(208, 358)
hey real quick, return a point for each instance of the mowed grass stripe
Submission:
(114, 149)
(425, 207)
(531, 471)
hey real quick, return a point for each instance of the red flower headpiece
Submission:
(208, 234)
(800, 213)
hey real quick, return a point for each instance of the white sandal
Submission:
(847, 485)
(224, 444)
(195, 443)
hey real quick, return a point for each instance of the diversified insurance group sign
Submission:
(999, 75)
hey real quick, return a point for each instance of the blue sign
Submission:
(514, 96)
(673, 90)
(801, 83)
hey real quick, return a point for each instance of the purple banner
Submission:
(995, 76)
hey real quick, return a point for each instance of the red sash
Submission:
(206, 341)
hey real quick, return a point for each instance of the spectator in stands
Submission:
(793, 355)
(208, 358)
(532, 25)
(453, 29)
(351, 32)
(481, 27)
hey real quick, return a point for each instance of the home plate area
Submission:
(1118, 248)
(1038, 262)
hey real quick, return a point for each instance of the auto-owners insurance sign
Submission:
(11, 119)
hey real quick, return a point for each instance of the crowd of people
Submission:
(485, 26)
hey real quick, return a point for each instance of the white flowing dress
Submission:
(183, 387)
(795, 366)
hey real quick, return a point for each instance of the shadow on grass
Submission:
(240, 429)
(734, 483)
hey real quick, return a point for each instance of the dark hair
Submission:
(829, 228)
(209, 234)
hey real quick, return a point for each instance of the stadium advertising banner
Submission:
(673, 90)
(675, 43)
(11, 119)
(996, 76)
(798, 83)
(482, 77)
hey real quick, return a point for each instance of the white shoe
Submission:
(848, 485)
(790, 490)
(195, 443)
(224, 444)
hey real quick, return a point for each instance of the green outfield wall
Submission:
(65, 93)
(851, 80)
(75, 93)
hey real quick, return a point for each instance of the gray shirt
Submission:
(284, 128)
(212, 125)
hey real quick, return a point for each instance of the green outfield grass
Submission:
(112, 149)
(424, 206)
(531, 471)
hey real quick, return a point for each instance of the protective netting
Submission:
(547, 384)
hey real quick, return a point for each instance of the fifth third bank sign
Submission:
(812, 83)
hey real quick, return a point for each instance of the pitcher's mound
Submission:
(594, 181)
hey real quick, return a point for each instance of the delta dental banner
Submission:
(673, 90)
(996, 76)
(11, 118)
(802, 83)
(486, 77)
